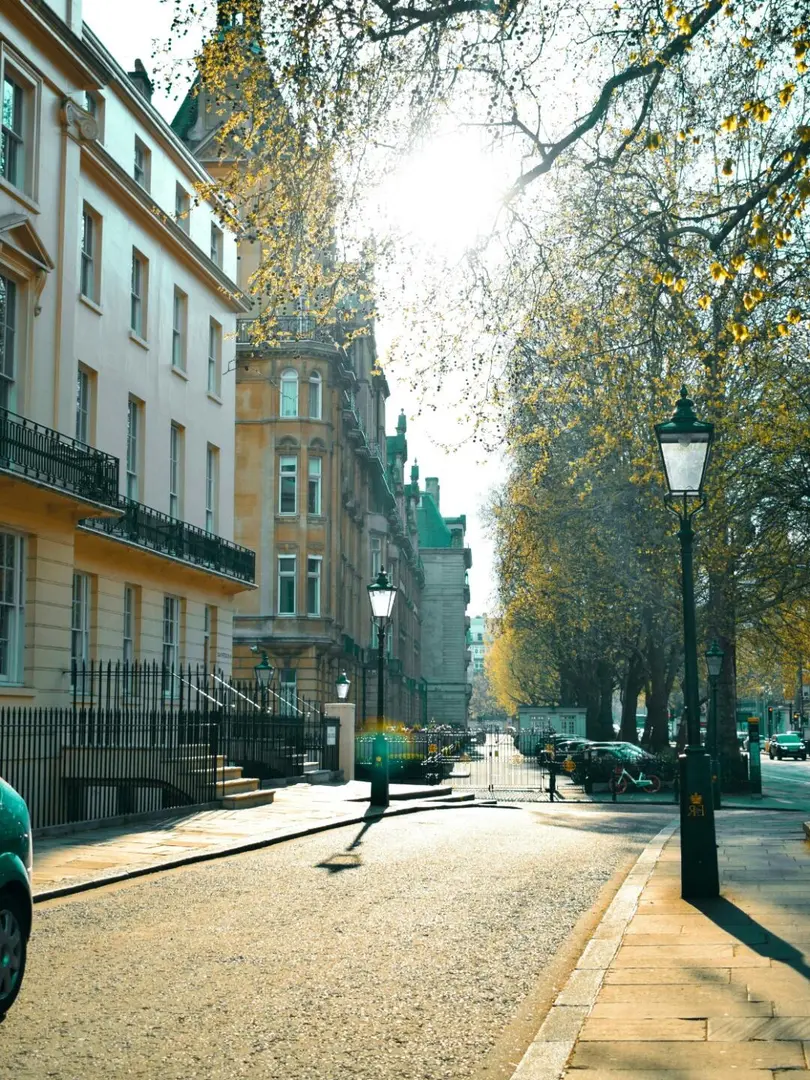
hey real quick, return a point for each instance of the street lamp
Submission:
(381, 594)
(685, 443)
(342, 686)
(714, 663)
(264, 674)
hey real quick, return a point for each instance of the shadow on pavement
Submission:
(349, 859)
(729, 917)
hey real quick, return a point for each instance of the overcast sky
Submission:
(131, 30)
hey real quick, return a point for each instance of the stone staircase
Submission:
(235, 791)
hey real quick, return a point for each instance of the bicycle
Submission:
(618, 782)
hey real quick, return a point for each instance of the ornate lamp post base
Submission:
(699, 873)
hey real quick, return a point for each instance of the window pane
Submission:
(289, 394)
(288, 485)
(11, 144)
(314, 487)
(8, 303)
(82, 406)
(11, 607)
(315, 398)
(313, 586)
(286, 585)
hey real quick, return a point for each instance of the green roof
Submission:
(433, 531)
(186, 116)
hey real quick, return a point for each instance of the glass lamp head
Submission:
(685, 443)
(342, 686)
(714, 659)
(264, 671)
(382, 595)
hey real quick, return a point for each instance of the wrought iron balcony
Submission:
(47, 457)
(165, 535)
(289, 328)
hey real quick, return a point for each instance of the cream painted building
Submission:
(117, 395)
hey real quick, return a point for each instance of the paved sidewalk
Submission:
(68, 861)
(678, 991)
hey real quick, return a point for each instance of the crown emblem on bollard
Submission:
(696, 807)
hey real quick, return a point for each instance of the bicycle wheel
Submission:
(655, 784)
(618, 784)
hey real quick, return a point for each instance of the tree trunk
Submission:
(633, 684)
(606, 681)
(656, 730)
(722, 628)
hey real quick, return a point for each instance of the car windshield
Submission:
(788, 739)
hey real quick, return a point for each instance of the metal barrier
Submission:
(71, 766)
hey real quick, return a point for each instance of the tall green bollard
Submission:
(379, 771)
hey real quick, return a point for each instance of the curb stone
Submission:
(237, 849)
(548, 1054)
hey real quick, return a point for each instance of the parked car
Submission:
(16, 867)
(789, 744)
(607, 756)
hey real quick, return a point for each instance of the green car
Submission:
(16, 866)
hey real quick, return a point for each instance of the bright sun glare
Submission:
(446, 195)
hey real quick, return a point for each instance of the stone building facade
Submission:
(445, 625)
(117, 303)
(321, 493)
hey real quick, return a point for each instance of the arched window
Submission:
(289, 392)
(315, 388)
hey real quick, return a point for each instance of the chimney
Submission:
(432, 488)
(141, 80)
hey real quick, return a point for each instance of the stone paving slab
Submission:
(703, 991)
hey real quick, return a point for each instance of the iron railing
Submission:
(290, 328)
(73, 766)
(269, 730)
(39, 453)
(151, 685)
(149, 528)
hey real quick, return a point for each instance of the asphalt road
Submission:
(401, 950)
(791, 777)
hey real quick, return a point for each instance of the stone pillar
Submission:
(344, 711)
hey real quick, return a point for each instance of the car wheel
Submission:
(770, 754)
(803, 757)
(12, 949)
(778, 756)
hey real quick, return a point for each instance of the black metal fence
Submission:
(73, 766)
(50, 457)
(149, 528)
(143, 737)
(150, 685)
(270, 731)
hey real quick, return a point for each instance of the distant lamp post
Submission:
(685, 444)
(714, 663)
(342, 686)
(381, 594)
(264, 675)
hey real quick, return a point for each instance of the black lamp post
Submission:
(381, 594)
(714, 663)
(264, 674)
(342, 685)
(685, 443)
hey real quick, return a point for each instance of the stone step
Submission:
(237, 787)
(229, 772)
(317, 776)
(246, 799)
(311, 766)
